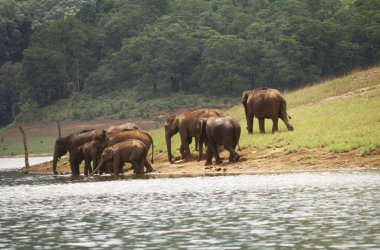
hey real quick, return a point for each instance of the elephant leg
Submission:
(196, 143)
(135, 167)
(116, 165)
(214, 149)
(87, 167)
(141, 167)
(74, 164)
(275, 124)
(110, 167)
(262, 125)
(147, 165)
(185, 145)
(182, 151)
(250, 123)
(208, 157)
(121, 167)
(234, 156)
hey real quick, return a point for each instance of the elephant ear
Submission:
(171, 122)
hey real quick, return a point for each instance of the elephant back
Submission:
(121, 127)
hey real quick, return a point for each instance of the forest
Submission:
(54, 51)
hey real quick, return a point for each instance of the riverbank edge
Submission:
(252, 161)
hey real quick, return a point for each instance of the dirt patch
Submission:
(254, 161)
(368, 76)
(356, 92)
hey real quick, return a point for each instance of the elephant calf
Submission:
(218, 131)
(132, 151)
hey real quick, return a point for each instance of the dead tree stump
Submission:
(26, 169)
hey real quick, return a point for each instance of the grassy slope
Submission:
(338, 126)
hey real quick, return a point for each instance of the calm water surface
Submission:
(308, 210)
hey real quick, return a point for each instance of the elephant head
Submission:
(61, 147)
(107, 156)
(171, 128)
(201, 133)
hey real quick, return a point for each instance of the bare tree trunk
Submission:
(26, 171)
(59, 130)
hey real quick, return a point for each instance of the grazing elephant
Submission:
(265, 103)
(103, 139)
(71, 144)
(132, 151)
(185, 123)
(218, 131)
(122, 126)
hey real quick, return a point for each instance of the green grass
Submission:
(334, 87)
(338, 126)
(36, 145)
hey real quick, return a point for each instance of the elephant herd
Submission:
(110, 148)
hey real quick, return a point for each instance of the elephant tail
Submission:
(236, 135)
(285, 116)
(151, 139)
(244, 100)
(152, 160)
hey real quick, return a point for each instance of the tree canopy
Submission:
(50, 50)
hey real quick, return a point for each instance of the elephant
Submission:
(71, 144)
(185, 123)
(132, 151)
(122, 126)
(103, 139)
(265, 103)
(218, 131)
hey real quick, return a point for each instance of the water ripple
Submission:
(309, 210)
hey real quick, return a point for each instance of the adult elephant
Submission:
(71, 144)
(265, 103)
(218, 131)
(132, 151)
(185, 123)
(103, 139)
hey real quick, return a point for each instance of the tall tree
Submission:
(9, 94)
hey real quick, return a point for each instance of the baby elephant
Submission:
(218, 131)
(132, 151)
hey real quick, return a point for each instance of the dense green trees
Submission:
(52, 49)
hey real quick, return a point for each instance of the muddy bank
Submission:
(252, 161)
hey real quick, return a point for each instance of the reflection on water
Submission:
(308, 210)
(18, 162)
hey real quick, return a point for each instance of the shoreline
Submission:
(252, 161)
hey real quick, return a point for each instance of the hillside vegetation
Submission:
(329, 116)
(81, 60)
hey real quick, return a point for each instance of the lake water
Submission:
(303, 211)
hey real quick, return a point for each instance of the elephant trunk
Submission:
(169, 147)
(97, 168)
(94, 156)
